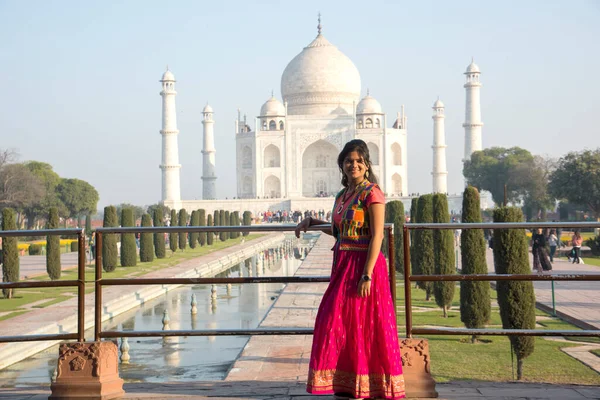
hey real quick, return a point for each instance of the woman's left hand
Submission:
(364, 288)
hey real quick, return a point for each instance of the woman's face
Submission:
(539, 231)
(354, 167)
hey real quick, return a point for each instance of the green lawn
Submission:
(456, 358)
(592, 261)
(596, 352)
(43, 297)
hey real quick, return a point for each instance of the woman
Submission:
(552, 242)
(355, 351)
(576, 241)
(538, 248)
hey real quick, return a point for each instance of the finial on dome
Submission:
(167, 67)
(319, 27)
(272, 95)
(367, 91)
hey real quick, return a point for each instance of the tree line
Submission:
(514, 175)
(32, 188)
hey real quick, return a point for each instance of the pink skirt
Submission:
(355, 346)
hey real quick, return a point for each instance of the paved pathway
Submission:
(577, 302)
(31, 266)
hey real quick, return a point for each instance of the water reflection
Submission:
(223, 306)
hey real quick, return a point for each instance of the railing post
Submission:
(392, 266)
(407, 294)
(98, 288)
(81, 286)
(553, 301)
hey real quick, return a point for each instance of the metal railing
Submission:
(100, 281)
(408, 279)
(79, 283)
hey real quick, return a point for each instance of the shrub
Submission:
(182, 235)
(109, 241)
(226, 222)
(475, 302)
(53, 266)
(424, 259)
(394, 213)
(173, 236)
(202, 222)
(10, 253)
(516, 299)
(594, 245)
(232, 222)
(193, 236)
(247, 217)
(443, 252)
(159, 237)
(217, 222)
(223, 236)
(146, 241)
(210, 235)
(128, 244)
(35, 249)
(414, 205)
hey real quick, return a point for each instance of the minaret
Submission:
(473, 122)
(170, 166)
(440, 174)
(209, 179)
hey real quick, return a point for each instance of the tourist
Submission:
(538, 248)
(576, 241)
(552, 242)
(355, 350)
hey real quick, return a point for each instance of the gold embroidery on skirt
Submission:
(361, 385)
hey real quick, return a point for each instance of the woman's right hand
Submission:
(303, 226)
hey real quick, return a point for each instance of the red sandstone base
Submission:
(87, 371)
(416, 369)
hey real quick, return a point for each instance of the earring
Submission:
(367, 174)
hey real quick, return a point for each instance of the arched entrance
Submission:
(272, 187)
(320, 173)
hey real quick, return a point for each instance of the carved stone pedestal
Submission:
(416, 367)
(87, 371)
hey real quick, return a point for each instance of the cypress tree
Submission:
(173, 236)
(159, 237)
(414, 204)
(237, 222)
(183, 235)
(227, 222)
(515, 298)
(110, 252)
(146, 242)
(223, 236)
(217, 222)
(10, 252)
(202, 222)
(475, 302)
(193, 236)
(53, 246)
(443, 252)
(232, 235)
(424, 259)
(209, 235)
(128, 245)
(247, 217)
(394, 213)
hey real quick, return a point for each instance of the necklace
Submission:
(345, 198)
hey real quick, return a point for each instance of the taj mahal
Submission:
(287, 156)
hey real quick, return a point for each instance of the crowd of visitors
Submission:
(284, 216)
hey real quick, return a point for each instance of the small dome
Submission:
(438, 104)
(368, 105)
(207, 109)
(472, 68)
(168, 76)
(272, 108)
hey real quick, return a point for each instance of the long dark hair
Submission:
(361, 148)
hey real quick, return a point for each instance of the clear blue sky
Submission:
(81, 86)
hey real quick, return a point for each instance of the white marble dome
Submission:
(168, 76)
(438, 104)
(472, 68)
(272, 108)
(368, 105)
(207, 109)
(319, 80)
